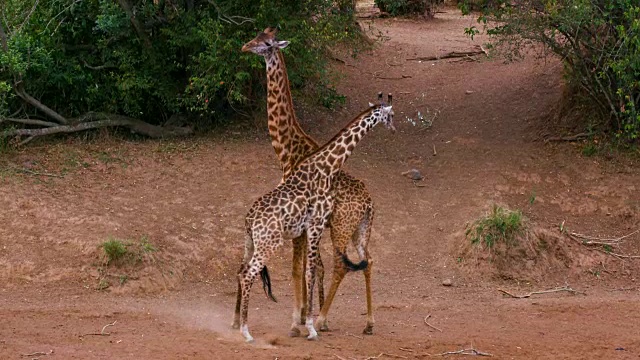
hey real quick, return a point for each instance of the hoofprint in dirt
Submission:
(188, 198)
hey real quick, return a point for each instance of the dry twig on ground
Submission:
(568, 138)
(592, 240)
(38, 353)
(471, 351)
(102, 333)
(589, 241)
(429, 325)
(564, 288)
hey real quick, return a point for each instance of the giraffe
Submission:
(353, 207)
(301, 203)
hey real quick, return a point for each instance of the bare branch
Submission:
(105, 120)
(26, 19)
(29, 121)
(234, 19)
(19, 88)
(3, 38)
(60, 13)
(449, 55)
(99, 67)
(564, 288)
(464, 352)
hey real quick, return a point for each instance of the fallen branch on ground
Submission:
(102, 333)
(568, 138)
(99, 120)
(450, 55)
(392, 78)
(564, 288)
(587, 241)
(464, 352)
(38, 353)
(429, 325)
(591, 240)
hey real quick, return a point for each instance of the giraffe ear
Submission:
(371, 105)
(281, 44)
(387, 109)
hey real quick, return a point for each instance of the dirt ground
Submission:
(187, 199)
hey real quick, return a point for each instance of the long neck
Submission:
(290, 142)
(330, 158)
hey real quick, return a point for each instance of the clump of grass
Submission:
(589, 149)
(127, 251)
(145, 245)
(114, 249)
(500, 225)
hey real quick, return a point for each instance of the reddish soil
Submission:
(188, 199)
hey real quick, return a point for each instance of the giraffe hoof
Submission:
(294, 332)
(324, 327)
(235, 326)
(368, 330)
(313, 337)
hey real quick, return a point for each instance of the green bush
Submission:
(405, 7)
(151, 59)
(114, 249)
(500, 225)
(598, 40)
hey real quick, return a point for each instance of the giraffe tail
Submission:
(266, 283)
(352, 266)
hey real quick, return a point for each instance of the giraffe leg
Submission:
(249, 274)
(248, 252)
(236, 315)
(299, 291)
(246, 279)
(339, 272)
(368, 330)
(320, 280)
(361, 242)
(313, 239)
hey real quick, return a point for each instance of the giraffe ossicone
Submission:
(302, 203)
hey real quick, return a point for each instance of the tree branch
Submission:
(3, 38)
(19, 88)
(136, 25)
(29, 121)
(28, 16)
(99, 67)
(99, 120)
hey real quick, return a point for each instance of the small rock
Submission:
(413, 174)
(468, 92)
(447, 282)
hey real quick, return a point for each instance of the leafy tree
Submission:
(598, 40)
(69, 65)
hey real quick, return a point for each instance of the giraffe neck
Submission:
(330, 158)
(290, 142)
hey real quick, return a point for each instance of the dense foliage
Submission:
(406, 7)
(598, 40)
(150, 59)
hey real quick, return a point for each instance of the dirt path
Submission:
(188, 198)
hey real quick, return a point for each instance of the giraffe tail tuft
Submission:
(354, 267)
(266, 283)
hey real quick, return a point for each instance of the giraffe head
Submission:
(384, 112)
(265, 43)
